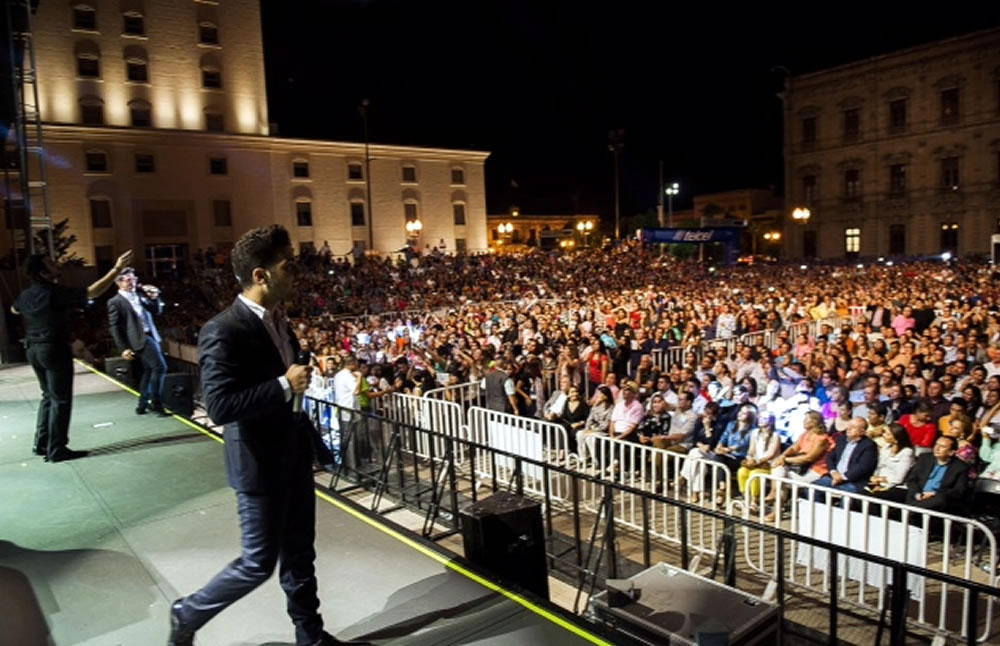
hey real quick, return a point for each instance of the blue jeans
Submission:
(154, 370)
(827, 481)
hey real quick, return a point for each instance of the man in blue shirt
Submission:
(939, 480)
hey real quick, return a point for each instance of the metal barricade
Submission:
(432, 414)
(656, 470)
(466, 395)
(527, 437)
(950, 544)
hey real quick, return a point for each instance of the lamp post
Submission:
(802, 214)
(585, 227)
(505, 229)
(671, 191)
(616, 141)
(413, 229)
(363, 109)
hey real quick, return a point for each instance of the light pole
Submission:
(616, 141)
(671, 191)
(802, 214)
(363, 109)
(585, 228)
(413, 229)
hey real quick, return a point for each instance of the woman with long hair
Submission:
(895, 459)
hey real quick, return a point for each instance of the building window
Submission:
(300, 169)
(142, 114)
(218, 166)
(357, 214)
(304, 214)
(460, 245)
(136, 71)
(100, 214)
(809, 244)
(949, 107)
(949, 237)
(949, 173)
(222, 213)
(144, 163)
(211, 79)
(809, 131)
(410, 211)
(852, 124)
(852, 183)
(104, 256)
(457, 176)
(852, 241)
(897, 116)
(809, 191)
(355, 172)
(97, 161)
(88, 66)
(897, 179)
(459, 212)
(409, 174)
(897, 239)
(208, 33)
(92, 113)
(84, 18)
(214, 122)
(134, 24)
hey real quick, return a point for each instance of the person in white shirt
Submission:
(345, 388)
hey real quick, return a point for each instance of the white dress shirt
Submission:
(279, 334)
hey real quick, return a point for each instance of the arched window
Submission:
(303, 212)
(92, 111)
(141, 113)
(133, 24)
(214, 120)
(208, 33)
(211, 72)
(88, 59)
(85, 17)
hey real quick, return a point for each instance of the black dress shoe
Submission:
(140, 410)
(67, 454)
(38, 451)
(158, 409)
(180, 635)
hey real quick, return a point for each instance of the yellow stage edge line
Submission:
(406, 540)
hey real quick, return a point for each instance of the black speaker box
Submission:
(503, 535)
(122, 370)
(178, 393)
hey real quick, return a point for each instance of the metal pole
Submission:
(659, 200)
(368, 178)
(670, 211)
(617, 202)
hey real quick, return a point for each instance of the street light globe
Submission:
(801, 213)
(580, 226)
(946, 256)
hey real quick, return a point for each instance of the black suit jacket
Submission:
(953, 486)
(268, 447)
(126, 328)
(863, 462)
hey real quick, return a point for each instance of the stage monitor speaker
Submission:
(178, 393)
(123, 370)
(503, 535)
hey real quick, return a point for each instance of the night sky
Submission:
(540, 85)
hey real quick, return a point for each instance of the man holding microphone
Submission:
(130, 317)
(253, 382)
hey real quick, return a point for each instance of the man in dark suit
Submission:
(938, 481)
(46, 307)
(853, 460)
(130, 317)
(249, 379)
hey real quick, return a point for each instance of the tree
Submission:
(62, 241)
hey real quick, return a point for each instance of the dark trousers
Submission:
(53, 365)
(154, 369)
(277, 530)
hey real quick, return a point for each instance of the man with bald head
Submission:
(853, 460)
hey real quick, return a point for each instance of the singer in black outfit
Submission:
(249, 381)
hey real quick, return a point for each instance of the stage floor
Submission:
(93, 551)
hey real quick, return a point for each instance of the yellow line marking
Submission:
(402, 538)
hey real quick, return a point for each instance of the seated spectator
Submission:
(838, 425)
(627, 413)
(765, 445)
(852, 461)
(877, 426)
(574, 416)
(734, 445)
(968, 443)
(682, 425)
(938, 481)
(598, 421)
(920, 426)
(894, 460)
(956, 409)
(655, 426)
(989, 452)
(554, 406)
(805, 460)
(706, 437)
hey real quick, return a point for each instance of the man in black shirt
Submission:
(46, 306)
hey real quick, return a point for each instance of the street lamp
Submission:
(671, 191)
(585, 227)
(413, 228)
(772, 236)
(801, 214)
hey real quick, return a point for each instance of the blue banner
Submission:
(727, 235)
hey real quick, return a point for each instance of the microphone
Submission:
(302, 359)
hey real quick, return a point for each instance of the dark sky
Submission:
(540, 84)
